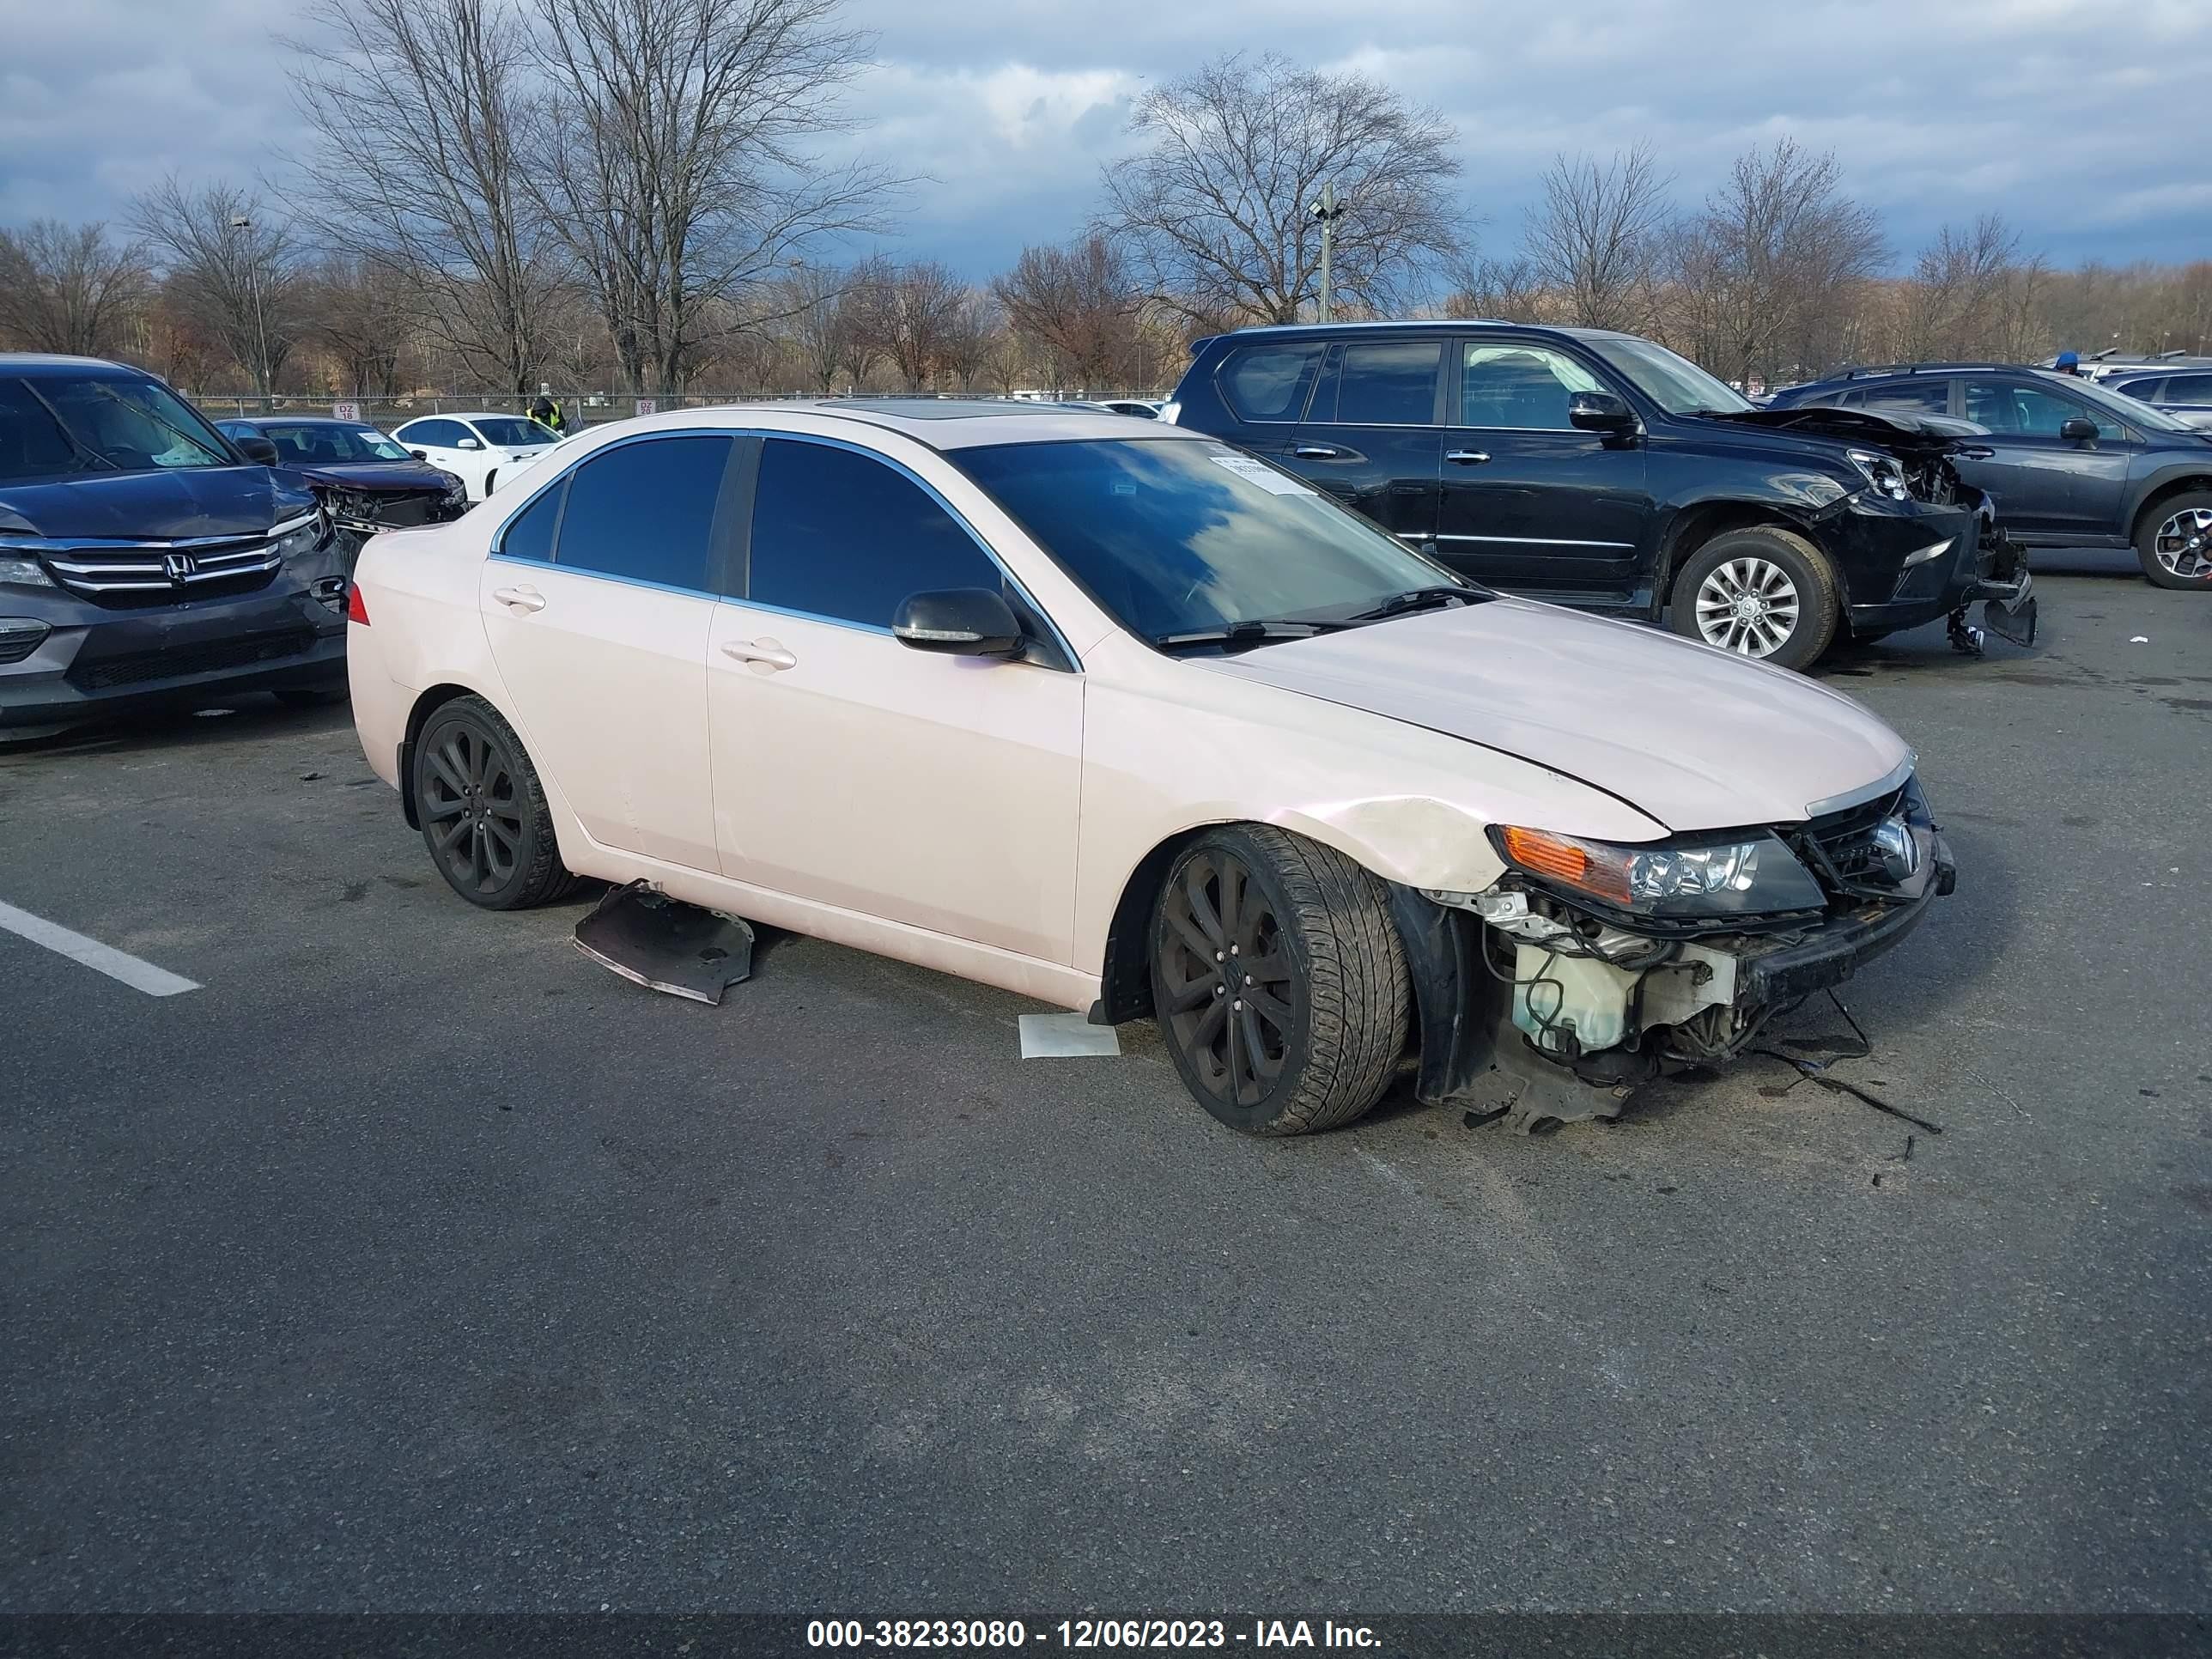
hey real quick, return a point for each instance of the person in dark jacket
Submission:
(547, 413)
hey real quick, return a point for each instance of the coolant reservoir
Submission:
(1590, 995)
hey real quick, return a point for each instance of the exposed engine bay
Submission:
(355, 513)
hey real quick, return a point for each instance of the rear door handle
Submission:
(1317, 453)
(1467, 457)
(767, 653)
(524, 599)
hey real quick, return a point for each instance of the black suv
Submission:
(2071, 463)
(1602, 470)
(145, 557)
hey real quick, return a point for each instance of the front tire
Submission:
(1766, 594)
(483, 810)
(2174, 542)
(1278, 980)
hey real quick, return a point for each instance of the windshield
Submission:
(51, 428)
(1675, 383)
(2122, 407)
(1174, 537)
(323, 443)
(513, 432)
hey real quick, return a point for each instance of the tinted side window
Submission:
(1927, 396)
(840, 534)
(1269, 382)
(1520, 387)
(1388, 383)
(2030, 411)
(433, 435)
(2189, 389)
(2150, 391)
(646, 511)
(531, 534)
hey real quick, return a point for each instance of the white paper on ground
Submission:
(1066, 1037)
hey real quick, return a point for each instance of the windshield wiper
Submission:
(1248, 633)
(1419, 598)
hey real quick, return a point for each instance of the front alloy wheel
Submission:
(1277, 981)
(2177, 553)
(1749, 606)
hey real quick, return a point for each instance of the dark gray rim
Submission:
(471, 807)
(1226, 977)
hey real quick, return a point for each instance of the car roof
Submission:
(943, 424)
(46, 365)
(1331, 331)
(465, 415)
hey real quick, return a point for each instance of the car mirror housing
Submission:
(420, 454)
(959, 622)
(468, 443)
(2078, 430)
(1600, 412)
(262, 452)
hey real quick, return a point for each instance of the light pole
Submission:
(1329, 210)
(239, 222)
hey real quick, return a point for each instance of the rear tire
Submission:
(1277, 981)
(483, 810)
(1766, 593)
(2173, 543)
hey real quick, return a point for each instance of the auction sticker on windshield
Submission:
(1261, 473)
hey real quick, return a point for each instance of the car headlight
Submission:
(1733, 874)
(303, 534)
(456, 491)
(1882, 471)
(23, 570)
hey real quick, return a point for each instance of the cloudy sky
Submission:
(2080, 120)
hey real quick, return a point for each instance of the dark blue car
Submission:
(366, 480)
(146, 558)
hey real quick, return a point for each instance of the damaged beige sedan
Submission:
(1113, 715)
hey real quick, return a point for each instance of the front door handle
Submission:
(767, 653)
(523, 599)
(1467, 457)
(1317, 453)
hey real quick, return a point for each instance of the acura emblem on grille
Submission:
(178, 565)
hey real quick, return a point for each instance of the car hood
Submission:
(1688, 735)
(374, 475)
(171, 506)
(1901, 431)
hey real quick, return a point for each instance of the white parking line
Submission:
(106, 958)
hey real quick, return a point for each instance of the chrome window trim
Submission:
(560, 475)
(1532, 541)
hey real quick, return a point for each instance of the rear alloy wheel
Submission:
(2175, 543)
(482, 810)
(1766, 594)
(1277, 981)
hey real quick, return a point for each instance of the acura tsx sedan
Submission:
(1134, 723)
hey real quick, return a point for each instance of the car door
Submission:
(598, 601)
(438, 438)
(2053, 487)
(939, 792)
(1528, 500)
(1371, 436)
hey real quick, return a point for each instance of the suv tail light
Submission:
(356, 607)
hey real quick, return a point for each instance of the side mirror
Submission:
(1599, 412)
(468, 443)
(262, 452)
(2078, 430)
(958, 621)
(420, 454)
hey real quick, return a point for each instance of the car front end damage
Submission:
(358, 508)
(1916, 543)
(1589, 968)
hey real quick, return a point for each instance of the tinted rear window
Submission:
(646, 511)
(1386, 383)
(1270, 382)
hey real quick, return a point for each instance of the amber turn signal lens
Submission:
(1548, 855)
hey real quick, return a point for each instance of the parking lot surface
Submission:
(415, 1262)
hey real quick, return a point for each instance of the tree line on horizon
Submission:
(632, 196)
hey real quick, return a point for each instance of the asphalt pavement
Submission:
(415, 1262)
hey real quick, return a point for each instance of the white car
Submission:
(1119, 717)
(475, 447)
(539, 457)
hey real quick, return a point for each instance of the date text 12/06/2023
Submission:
(1088, 1633)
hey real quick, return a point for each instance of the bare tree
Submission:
(966, 351)
(1596, 238)
(1216, 208)
(861, 320)
(417, 164)
(69, 288)
(920, 311)
(1763, 280)
(363, 315)
(1954, 300)
(230, 267)
(679, 174)
(1077, 301)
(1505, 290)
(810, 298)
